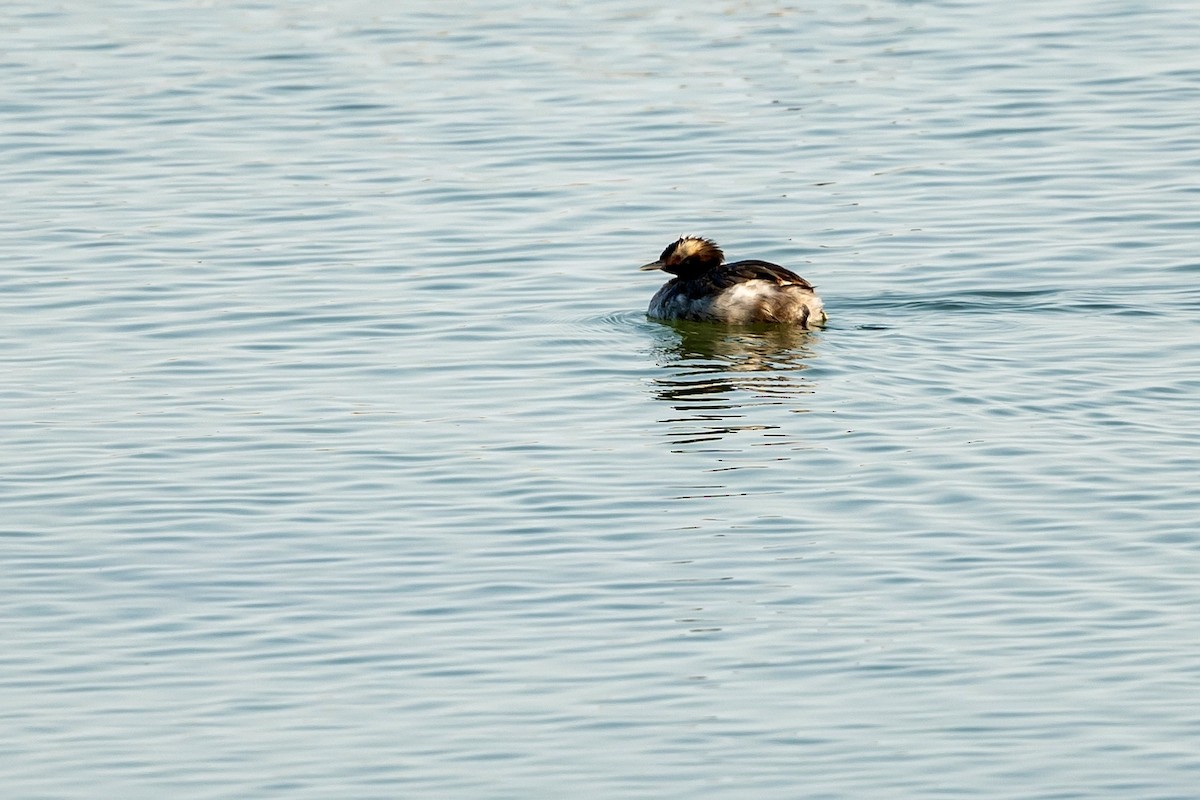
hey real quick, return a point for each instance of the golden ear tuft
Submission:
(693, 246)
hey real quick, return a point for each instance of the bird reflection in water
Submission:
(720, 379)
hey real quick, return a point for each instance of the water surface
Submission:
(341, 460)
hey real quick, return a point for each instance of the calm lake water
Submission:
(341, 461)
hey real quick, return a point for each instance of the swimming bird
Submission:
(706, 289)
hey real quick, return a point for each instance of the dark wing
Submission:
(738, 271)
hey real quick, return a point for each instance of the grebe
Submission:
(705, 289)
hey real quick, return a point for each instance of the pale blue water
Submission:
(340, 459)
